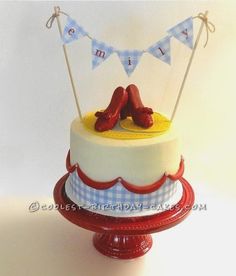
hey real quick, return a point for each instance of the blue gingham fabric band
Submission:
(183, 32)
(118, 198)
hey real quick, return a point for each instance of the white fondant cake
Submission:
(140, 162)
(106, 173)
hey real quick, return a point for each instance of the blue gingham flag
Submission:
(100, 52)
(161, 49)
(129, 59)
(72, 31)
(184, 32)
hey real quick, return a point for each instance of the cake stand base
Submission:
(123, 237)
(122, 246)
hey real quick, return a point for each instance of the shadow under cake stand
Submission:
(123, 237)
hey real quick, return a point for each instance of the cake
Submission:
(118, 176)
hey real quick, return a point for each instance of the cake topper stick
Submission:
(49, 24)
(205, 22)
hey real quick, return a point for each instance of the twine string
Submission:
(209, 26)
(50, 21)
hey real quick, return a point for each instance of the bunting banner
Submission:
(130, 58)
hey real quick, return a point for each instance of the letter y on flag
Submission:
(183, 32)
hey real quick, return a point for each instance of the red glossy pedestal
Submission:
(123, 237)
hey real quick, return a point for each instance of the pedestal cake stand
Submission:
(123, 237)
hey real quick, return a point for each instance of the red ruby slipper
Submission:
(141, 115)
(108, 118)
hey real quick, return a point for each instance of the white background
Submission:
(37, 106)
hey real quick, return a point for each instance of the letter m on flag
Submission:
(100, 52)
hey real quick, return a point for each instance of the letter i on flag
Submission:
(129, 59)
(161, 49)
(100, 52)
(184, 32)
(72, 31)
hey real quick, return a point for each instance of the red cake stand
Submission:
(123, 237)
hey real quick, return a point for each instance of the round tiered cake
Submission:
(122, 176)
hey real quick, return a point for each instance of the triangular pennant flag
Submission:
(184, 32)
(129, 59)
(72, 31)
(161, 49)
(100, 52)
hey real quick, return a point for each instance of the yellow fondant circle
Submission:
(127, 130)
(160, 124)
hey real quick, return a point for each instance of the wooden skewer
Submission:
(188, 68)
(57, 9)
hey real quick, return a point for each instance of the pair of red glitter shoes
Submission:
(124, 102)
